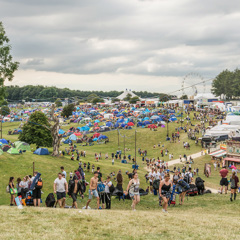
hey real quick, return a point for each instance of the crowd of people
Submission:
(160, 180)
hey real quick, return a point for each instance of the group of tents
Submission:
(18, 146)
(14, 148)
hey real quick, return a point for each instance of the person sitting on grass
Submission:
(93, 190)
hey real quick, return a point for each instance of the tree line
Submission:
(44, 93)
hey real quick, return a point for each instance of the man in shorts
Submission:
(223, 182)
(60, 187)
(93, 189)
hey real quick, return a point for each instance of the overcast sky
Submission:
(116, 44)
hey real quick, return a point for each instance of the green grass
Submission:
(202, 217)
(21, 165)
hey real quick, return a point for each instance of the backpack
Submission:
(101, 188)
(39, 184)
(156, 184)
(78, 175)
(50, 200)
(7, 189)
(187, 178)
(111, 188)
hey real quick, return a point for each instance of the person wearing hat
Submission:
(130, 175)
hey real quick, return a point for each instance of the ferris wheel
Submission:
(192, 84)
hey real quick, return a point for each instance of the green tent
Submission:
(13, 151)
(22, 145)
(1, 151)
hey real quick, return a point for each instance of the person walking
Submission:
(93, 189)
(119, 184)
(133, 188)
(108, 193)
(224, 181)
(165, 191)
(11, 190)
(37, 191)
(74, 189)
(234, 185)
(60, 187)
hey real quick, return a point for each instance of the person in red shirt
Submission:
(224, 181)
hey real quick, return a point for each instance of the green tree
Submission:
(58, 102)
(91, 97)
(115, 100)
(37, 130)
(67, 110)
(5, 110)
(133, 100)
(97, 100)
(184, 97)
(7, 65)
(223, 84)
(3, 103)
(164, 97)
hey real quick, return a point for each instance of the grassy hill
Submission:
(201, 217)
(21, 165)
(205, 217)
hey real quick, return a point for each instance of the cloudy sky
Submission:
(116, 44)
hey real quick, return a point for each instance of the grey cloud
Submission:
(156, 38)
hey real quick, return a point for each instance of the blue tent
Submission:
(139, 124)
(116, 125)
(109, 124)
(3, 141)
(102, 137)
(123, 125)
(95, 139)
(41, 151)
(73, 137)
(120, 120)
(61, 131)
(67, 141)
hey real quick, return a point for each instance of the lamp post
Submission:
(135, 148)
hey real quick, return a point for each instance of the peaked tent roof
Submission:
(41, 151)
(12, 151)
(125, 93)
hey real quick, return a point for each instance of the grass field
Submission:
(201, 217)
(21, 165)
(204, 217)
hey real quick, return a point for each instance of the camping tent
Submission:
(6, 148)
(4, 141)
(73, 137)
(23, 146)
(12, 151)
(41, 151)
(1, 151)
